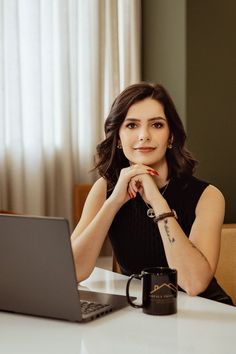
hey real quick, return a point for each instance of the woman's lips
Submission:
(144, 149)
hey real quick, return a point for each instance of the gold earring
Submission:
(170, 145)
(119, 146)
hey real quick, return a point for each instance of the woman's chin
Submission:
(142, 161)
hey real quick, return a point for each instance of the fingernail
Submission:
(153, 171)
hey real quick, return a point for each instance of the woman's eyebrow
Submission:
(131, 119)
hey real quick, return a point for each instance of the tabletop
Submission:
(200, 326)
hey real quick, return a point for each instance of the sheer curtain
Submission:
(62, 62)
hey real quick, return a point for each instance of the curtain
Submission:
(62, 62)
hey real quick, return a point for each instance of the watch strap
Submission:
(163, 216)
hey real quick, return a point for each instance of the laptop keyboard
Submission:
(88, 307)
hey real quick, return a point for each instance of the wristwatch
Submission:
(170, 214)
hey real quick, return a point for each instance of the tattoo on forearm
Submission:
(167, 230)
(171, 239)
(200, 252)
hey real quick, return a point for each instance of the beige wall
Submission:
(190, 47)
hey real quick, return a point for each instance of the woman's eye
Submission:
(131, 125)
(158, 125)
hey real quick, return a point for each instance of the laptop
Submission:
(37, 273)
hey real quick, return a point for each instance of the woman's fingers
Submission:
(134, 186)
(132, 177)
(153, 172)
(131, 189)
(136, 170)
(142, 183)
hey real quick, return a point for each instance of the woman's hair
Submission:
(110, 159)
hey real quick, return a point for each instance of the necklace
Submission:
(150, 211)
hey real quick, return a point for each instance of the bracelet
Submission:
(160, 217)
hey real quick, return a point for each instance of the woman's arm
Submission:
(195, 257)
(96, 219)
(90, 233)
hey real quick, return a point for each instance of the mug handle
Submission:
(136, 276)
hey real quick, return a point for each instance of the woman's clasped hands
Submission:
(135, 179)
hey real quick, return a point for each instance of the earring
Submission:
(170, 145)
(119, 146)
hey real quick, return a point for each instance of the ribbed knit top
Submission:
(136, 239)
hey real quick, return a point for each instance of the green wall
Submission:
(211, 87)
(164, 47)
(202, 44)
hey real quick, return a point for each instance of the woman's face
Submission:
(145, 134)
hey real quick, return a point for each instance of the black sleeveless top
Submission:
(136, 240)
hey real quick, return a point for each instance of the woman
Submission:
(154, 211)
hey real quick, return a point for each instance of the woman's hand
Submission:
(132, 180)
(145, 185)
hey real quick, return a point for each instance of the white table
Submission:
(200, 326)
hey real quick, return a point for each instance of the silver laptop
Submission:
(37, 274)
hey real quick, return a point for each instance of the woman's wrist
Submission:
(160, 206)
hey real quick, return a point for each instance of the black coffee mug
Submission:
(159, 290)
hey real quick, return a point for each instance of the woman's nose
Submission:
(144, 138)
(144, 135)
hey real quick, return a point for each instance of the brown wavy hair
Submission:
(110, 159)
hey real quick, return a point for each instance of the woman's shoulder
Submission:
(196, 197)
(100, 183)
(100, 186)
(213, 194)
(204, 186)
(97, 195)
(212, 202)
(189, 190)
